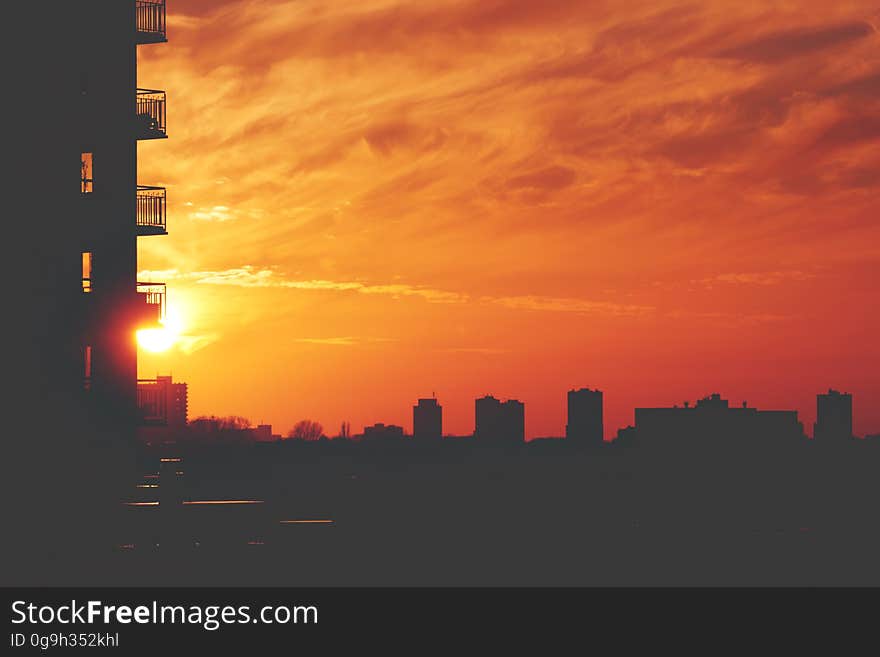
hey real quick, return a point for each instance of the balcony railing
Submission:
(154, 300)
(151, 114)
(151, 210)
(150, 20)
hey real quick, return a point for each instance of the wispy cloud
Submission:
(249, 276)
(756, 278)
(344, 341)
(485, 351)
(189, 344)
(341, 341)
(216, 213)
(789, 43)
(569, 305)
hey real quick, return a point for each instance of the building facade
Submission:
(713, 422)
(383, 432)
(162, 402)
(585, 423)
(427, 420)
(499, 422)
(115, 115)
(834, 417)
(75, 235)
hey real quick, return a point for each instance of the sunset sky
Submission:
(372, 201)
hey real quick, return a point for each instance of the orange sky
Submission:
(374, 201)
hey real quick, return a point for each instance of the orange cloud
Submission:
(657, 198)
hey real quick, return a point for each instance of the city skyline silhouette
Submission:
(168, 410)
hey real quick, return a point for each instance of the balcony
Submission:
(151, 210)
(150, 21)
(153, 312)
(150, 114)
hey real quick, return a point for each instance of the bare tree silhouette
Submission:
(306, 430)
(226, 423)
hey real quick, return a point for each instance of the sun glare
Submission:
(160, 339)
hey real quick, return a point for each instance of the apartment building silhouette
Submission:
(74, 218)
(114, 114)
(498, 422)
(428, 419)
(834, 417)
(585, 423)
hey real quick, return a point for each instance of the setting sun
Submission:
(160, 339)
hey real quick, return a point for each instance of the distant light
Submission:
(190, 502)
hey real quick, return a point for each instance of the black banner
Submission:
(130, 621)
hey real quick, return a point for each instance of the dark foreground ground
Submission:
(546, 515)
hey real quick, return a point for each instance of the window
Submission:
(87, 271)
(88, 180)
(87, 367)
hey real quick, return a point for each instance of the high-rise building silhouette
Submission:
(834, 416)
(115, 114)
(87, 263)
(427, 420)
(585, 424)
(487, 417)
(83, 259)
(73, 248)
(515, 420)
(163, 402)
(499, 422)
